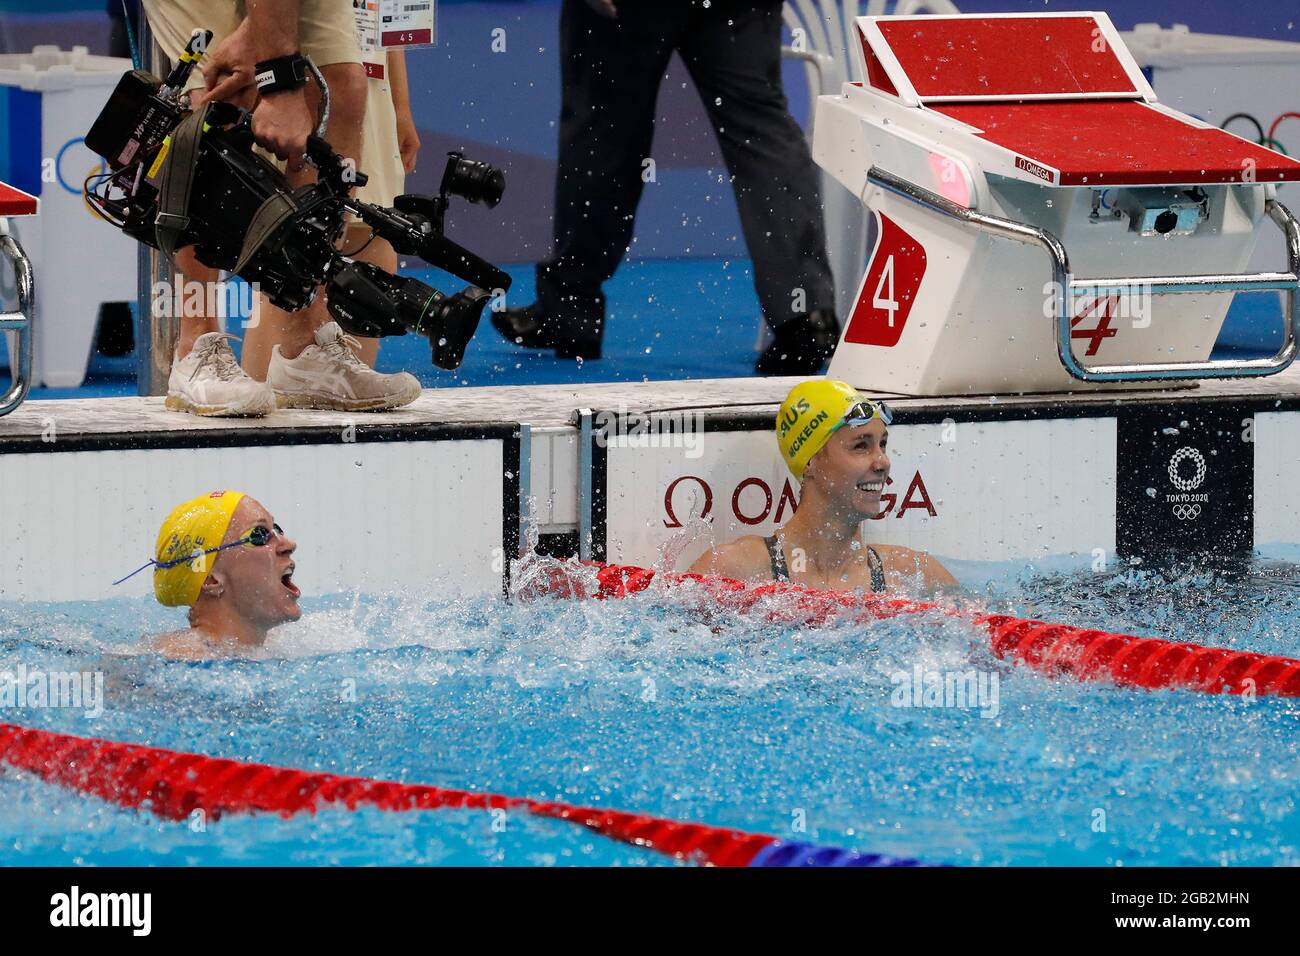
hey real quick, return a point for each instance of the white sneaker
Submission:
(330, 375)
(209, 381)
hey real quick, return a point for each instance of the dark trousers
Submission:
(611, 74)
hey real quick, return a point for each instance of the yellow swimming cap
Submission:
(809, 412)
(196, 525)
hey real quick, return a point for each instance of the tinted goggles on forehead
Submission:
(863, 412)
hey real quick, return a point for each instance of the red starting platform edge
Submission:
(15, 202)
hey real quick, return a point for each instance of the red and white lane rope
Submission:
(1054, 649)
(173, 784)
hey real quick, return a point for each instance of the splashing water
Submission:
(664, 705)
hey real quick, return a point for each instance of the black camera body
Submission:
(177, 179)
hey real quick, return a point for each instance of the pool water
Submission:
(649, 705)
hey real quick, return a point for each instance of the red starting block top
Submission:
(1022, 56)
(1062, 94)
(1118, 143)
(15, 202)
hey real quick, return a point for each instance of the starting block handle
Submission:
(1066, 287)
(20, 321)
(1288, 282)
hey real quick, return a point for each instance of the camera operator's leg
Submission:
(195, 319)
(610, 71)
(292, 332)
(388, 106)
(389, 147)
(735, 61)
(205, 379)
(304, 356)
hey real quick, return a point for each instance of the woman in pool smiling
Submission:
(834, 441)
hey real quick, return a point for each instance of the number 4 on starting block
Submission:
(888, 289)
(1103, 309)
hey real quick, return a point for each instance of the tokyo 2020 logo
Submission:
(1181, 482)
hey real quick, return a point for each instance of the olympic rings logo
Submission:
(1184, 512)
(1187, 484)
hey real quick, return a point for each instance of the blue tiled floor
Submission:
(668, 319)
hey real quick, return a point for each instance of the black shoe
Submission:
(801, 346)
(528, 327)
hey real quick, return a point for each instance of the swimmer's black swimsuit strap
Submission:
(776, 554)
(877, 570)
(780, 572)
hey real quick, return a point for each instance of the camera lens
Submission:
(1166, 221)
(476, 181)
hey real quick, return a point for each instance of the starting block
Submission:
(1042, 222)
(15, 202)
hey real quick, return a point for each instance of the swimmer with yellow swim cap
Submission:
(223, 556)
(834, 441)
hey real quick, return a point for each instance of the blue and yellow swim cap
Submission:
(808, 417)
(197, 525)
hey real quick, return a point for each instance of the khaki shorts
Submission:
(326, 30)
(381, 160)
(327, 34)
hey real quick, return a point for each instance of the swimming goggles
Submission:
(863, 412)
(257, 536)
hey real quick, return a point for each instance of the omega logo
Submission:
(763, 502)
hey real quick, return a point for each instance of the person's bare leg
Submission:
(294, 331)
(194, 321)
(272, 326)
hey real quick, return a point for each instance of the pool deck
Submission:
(130, 419)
